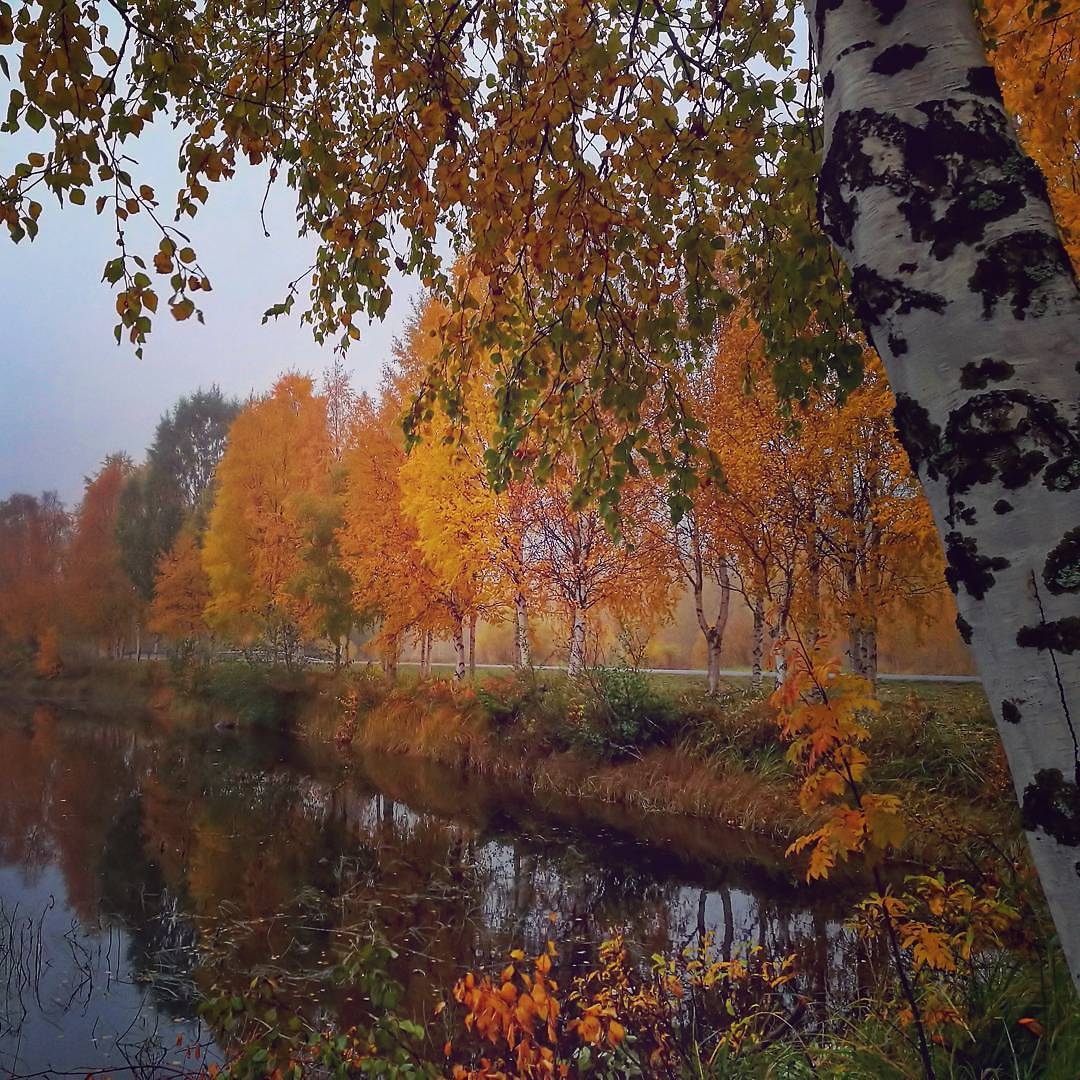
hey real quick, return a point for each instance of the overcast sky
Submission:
(69, 395)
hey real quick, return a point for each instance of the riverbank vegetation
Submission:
(964, 978)
(617, 735)
(690, 1014)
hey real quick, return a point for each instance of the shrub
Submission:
(617, 714)
(251, 694)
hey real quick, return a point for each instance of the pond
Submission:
(142, 866)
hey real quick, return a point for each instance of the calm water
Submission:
(141, 866)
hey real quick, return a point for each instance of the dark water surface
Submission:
(141, 866)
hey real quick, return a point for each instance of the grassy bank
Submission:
(97, 686)
(622, 738)
(616, 736)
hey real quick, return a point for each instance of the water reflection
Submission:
(139, 866)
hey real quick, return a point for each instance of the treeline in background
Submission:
(302, 523)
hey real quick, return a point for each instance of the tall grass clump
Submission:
(249, 695)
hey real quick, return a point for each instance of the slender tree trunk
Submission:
(855, 645)
(714, 634)
(960, 278)
(521, 630)
(779, 661)
(390, 659)
(729, 922)
(459, 649)
(712, 643)
(576, 663)
(720, 626)
(759, 641)
(870, 660)
(472, 645)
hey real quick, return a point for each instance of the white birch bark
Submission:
(960, 278)
(576, 660)
(521, 630)
(779, 664)
(459, 649)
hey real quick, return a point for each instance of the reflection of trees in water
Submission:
(134, 894)
(280, 864)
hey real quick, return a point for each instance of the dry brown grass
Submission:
(446, 725)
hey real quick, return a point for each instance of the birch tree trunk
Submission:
(472, 645)
(712, 643)
(521, 630)
(390, 659)
(779, 660)
(576, 662)
(714, 632)
(459, 649)
(960, 278)
(711, 651)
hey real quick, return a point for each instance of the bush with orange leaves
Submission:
(821, 713)
(622, 1018)
(517, 1014)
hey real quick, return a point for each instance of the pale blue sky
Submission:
(69, 395)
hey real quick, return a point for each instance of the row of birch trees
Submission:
(306, 516)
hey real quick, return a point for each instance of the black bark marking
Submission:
(1018, 267)
(1062, 569)
(965, 513)
(1005, 435)
(857, 47)
(983, 81)
(876, 296)
(898, 344)
(1052, 803)
(1063, 474)
(828, 84)
(977, 376)
(1008, 435)
(920, 436)
(908, 268)
(965, 629)
(888, 9)
(1010, 712)
(897, 58)
(821, 11)
(1061, 635)
(968, 568)
(954, 174)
